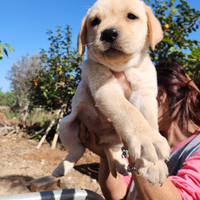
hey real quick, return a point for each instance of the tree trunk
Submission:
(25, 113)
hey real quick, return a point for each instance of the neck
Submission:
(175, 134)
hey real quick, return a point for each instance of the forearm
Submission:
(147, 191)
(112, 188)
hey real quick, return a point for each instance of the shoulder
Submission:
(194, 160)
(187, 179)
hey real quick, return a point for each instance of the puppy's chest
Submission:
(134, 79)
(137, 80)
(141, 83)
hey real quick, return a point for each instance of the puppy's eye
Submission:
(95, 22)
(131, 16)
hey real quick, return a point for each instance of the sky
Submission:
(24, 24)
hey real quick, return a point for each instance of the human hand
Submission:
(90, 141)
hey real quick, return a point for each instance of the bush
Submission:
(7, 99)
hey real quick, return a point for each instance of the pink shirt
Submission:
(187, 180)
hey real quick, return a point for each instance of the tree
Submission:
(57, 80)
(178, 21)
(60, 75)
(2, 49)
(20, 75)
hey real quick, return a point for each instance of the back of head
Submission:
(182, 94)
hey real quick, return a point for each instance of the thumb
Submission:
(91, 137)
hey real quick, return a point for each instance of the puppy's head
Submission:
(116, 31)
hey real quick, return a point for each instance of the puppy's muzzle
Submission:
(109, 35)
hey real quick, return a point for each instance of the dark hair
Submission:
(183, 95)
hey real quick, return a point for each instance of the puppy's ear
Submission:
(82, 37)
(154, 28)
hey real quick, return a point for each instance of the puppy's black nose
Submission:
(109, 35)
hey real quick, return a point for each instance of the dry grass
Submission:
(42, 118)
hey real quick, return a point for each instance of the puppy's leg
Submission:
(107, 136)
(115, 160)
(69, 129)
(156, 171)
(69, 137)
(146, 103)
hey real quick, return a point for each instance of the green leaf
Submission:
(196, 52)
(5, 51)
(179, 50)
(190, 73)
(167, 40)
(1, 48)
(10, 48)
(42, 87)
(172, 49)
(45, 94)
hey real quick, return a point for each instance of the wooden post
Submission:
(55, 139)
(48, 129)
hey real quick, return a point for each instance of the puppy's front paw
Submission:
(149, 145)
(63, 168)
(154, 172)
(122, 167)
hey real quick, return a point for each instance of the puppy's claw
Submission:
(167, 159)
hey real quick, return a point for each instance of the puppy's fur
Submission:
(117, 34)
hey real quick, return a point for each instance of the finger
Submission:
(91, 139)
(82, 133)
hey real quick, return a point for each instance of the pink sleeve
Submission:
(127, 179)
(187, 180)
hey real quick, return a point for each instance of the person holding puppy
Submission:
(179, 121)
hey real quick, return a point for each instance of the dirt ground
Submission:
(21, 162)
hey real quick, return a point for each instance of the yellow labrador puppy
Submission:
(117, 34)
